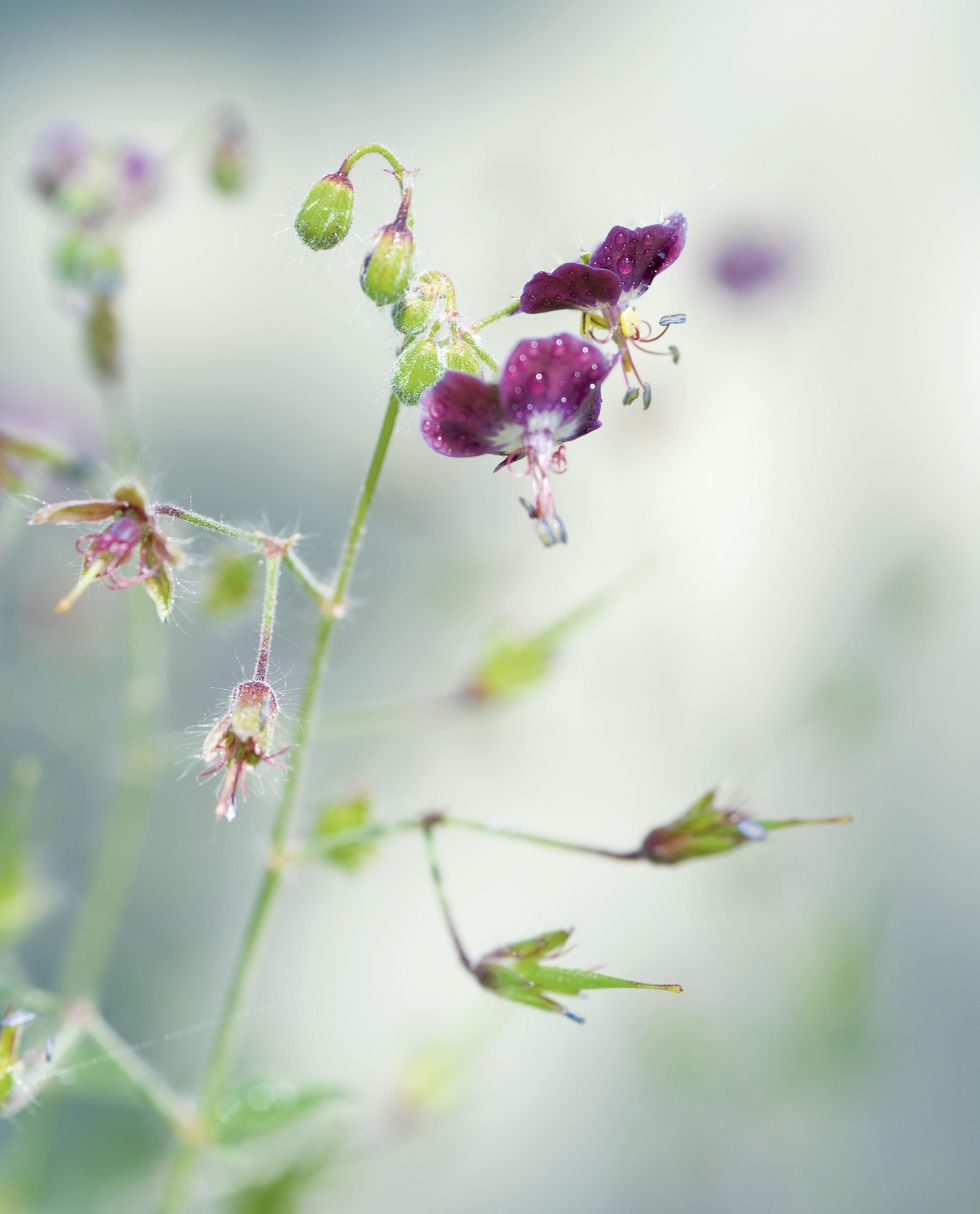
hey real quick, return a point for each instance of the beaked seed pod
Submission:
(325, 217)
(387, 269)
(417, 368)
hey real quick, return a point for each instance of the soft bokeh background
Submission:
(806, 486)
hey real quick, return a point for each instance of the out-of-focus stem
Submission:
(436, 873)
(222, 1050)
(495, 316)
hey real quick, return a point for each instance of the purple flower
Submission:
(604, 287)
(549, 394)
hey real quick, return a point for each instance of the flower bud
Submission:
(416, 311)
(229, 152)
(387, 269)
(102, 337)
(416, 369)
(459, 355)
(325, 217)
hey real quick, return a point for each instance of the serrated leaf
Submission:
(259, 1108)
(339, 819)
(231, 582)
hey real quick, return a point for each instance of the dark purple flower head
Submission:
(619, 271)
(604, 288)
(549, 394)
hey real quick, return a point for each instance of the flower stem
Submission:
(223, 1047)
(378, 149)
(258, 539)
(495, 316)
(435, 872)
(273, 566)
(173, 1109)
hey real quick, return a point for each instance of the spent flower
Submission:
(706, 829)
(549, 394)
(605, 286)
(240, 741)
(131, 535)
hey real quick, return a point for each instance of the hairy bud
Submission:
(326, 215)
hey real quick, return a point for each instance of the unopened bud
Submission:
(416, 369)
(325, 217)
(459, 355)
(102, 337)
(387, 269)
(416, 310)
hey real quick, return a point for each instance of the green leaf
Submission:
(282, 1192)
(258, 1108)
(570, 981)
(339, 819)
(231, 581)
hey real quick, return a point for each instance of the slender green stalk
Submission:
(296, 566)
(222, 1050)
(273, 566)
(495, 316)
(378, 149)
(480, 352)
(218, 526)
(177, 1112)
(523, 836)
(436, 873)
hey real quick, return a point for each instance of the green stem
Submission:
(174, 1110)
(377, 149)
(495, 316)
(223, 1047)
(436, 874)
(96, 922)
(480, 352)
(273, 566)
(258, 539)
(218, 526)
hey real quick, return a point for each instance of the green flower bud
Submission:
(387, 269)
(416, 310)
(417, 368)
(460, 356)
(325, 217)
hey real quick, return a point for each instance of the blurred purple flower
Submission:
(59, 153)
(549, 394)
(748, 265)
(140, 174)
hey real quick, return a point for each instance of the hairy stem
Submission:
(273, 566)
(495, 316)
(222, 1050)
(377, 149)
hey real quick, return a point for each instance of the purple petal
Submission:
(637, 256)
(572, 285)
(462, 416)
(554, 383)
